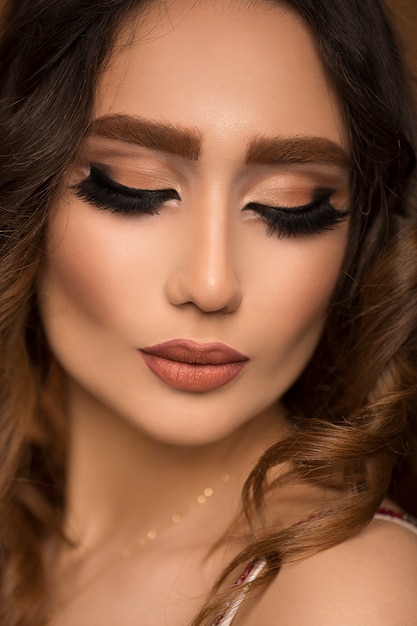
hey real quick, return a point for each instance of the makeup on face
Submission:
(190, 366)
(200, 222)
(318, 214)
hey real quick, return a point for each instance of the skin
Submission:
(211, 274)
(376, 584)
(202, 269)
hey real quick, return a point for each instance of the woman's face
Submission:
(226, 109)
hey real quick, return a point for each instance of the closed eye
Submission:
(105, 193)
(318, 216)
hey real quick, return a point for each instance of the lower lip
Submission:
(190, 376)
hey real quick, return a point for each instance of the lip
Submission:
(190, 366)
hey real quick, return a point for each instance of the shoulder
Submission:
(370, 579)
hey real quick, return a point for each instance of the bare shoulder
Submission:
(370, 579)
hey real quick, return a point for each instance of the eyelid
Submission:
(101, 191)
(96, 174)
(319, 196)
(100, 174)
(137, 161)
(293, 175)
(318, 216)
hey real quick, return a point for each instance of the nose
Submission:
(205, 273)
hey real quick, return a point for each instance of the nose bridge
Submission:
(206, 275)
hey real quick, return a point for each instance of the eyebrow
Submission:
(269, 151)
(187, 142)
(160, 136)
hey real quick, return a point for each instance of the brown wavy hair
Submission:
(354, 402)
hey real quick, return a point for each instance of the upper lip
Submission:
(187, 351)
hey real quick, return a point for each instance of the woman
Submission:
(208, 286)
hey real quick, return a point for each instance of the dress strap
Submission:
(251, 572)
(256, 567)
(403, 519)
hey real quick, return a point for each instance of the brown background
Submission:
(405, 14)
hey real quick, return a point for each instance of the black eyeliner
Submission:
(316, 217)
(103, 192)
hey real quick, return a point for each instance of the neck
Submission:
(121, 482)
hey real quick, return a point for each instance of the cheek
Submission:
(90, 273)
(309, 288)
(299, 281)
(72, 285)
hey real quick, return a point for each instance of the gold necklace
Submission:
(140, 542)
(176, 518)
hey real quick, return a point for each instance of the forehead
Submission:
(221, 67)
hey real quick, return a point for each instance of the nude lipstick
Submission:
(190, 366)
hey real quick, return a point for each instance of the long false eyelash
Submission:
(105, 193)
(313, 218)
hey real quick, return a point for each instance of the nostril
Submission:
(211, 292)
